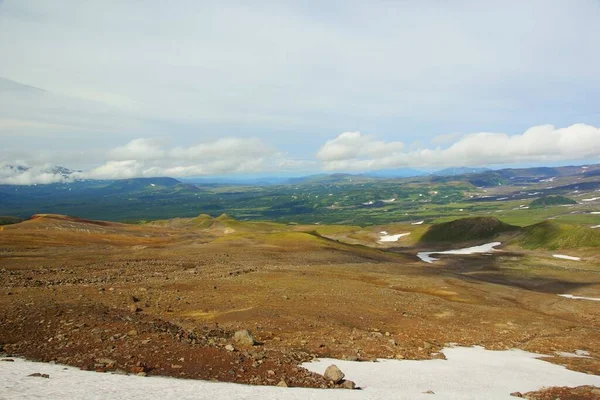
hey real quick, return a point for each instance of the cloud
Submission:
(544, 143)
(445, 138)
(116, 170)
(146, 158)
(138, 149)
(351, 145)
(305, 70)
(23, 175)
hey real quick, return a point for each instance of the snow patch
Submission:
(570, 296)
(484, 248)
(577, 354)
(468, 373)
(592, 199)
(392, 238)
(562, 256)
(595, 226)
(417, 223)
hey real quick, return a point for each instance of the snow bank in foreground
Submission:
(392, 238)
(570, 296)
(468, 373)
(484, 248)
(562, 256)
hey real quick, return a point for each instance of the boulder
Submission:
(243, 338)
(38, 375)
(334, 374)
(348, 385)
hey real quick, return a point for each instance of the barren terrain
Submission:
(166, 298)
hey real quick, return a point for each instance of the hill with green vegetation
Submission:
(467, 229)
(547, 201)
(552, 235)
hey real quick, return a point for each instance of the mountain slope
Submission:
(467, 229)
(552, 235)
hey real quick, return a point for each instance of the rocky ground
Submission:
(163, 301)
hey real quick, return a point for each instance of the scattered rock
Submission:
(243, 338)
(429, 392)
(7, 360)
(134, 309)
(334, 374)
(348, 385)
(38, 375)
(516, 394)
(229, 348)
(282, 384)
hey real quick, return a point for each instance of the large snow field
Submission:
(468, 373)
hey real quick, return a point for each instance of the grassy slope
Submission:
(467, 229)
(552, 235)
(546, 201)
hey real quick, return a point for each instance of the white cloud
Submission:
(116, 170)
(138, 149)
(353, 145)
(544, 143)
(146, 158)
(446, 138)
(108, 69)
(17, 174)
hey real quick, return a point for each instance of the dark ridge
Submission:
(551, 201)
(467, 229)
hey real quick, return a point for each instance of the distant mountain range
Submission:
(477, 176)
(453, 171)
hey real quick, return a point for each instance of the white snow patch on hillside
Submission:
(595, 226)
(484, 248)
(468, 373)
(577, 354)
(592, 199)
(392, 238)
(570, 296)
(564, 257)
(417, 223)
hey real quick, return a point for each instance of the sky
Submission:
(124, 88)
